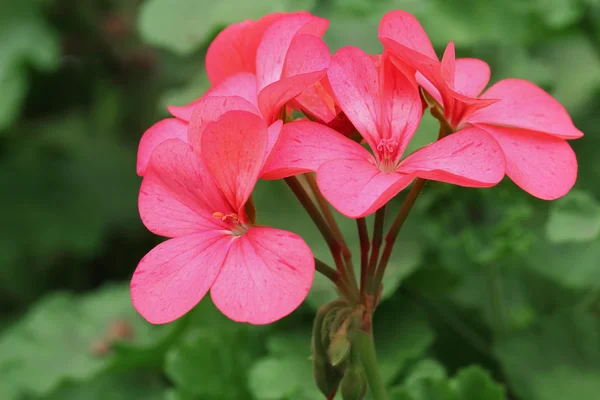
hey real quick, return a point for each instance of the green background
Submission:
(491, 294)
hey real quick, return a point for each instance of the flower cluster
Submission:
(200, 166)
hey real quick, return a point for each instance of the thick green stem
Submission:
(366, 351)
(392, 235)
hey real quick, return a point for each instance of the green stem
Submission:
(335, 229)
(366, 351)
(321, 224)
(392, 235)
(365, 246)
(376, 247)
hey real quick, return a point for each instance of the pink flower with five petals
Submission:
(529, 124)
(385, 107)
(195, 194)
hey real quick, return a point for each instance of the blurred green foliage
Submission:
(491, 294)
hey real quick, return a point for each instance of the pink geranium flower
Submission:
(267, 62)
(195, 193)
(385, 107)
(528, 123)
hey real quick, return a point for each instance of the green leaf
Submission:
(114, 387)
(555, 360)
(182, 26)
(67, 337)
(573, 265)
(25, 39)
(574, 218)
(286, 373)
(428, 381)
(277, 378)
(216, 349)
(475, 383)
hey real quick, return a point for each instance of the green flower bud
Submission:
(354, 383)
(339, 348)
(326, 376)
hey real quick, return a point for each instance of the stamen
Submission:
(388, 144)
(223, 217)
(387, 151)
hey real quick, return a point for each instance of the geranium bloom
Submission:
(528, 123)
(267, 62)
(195, 193)
(385, 107)
(208, 108)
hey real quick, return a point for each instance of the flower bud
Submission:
(354, 383)
(339, 348)
(326, 376)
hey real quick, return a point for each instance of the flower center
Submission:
(387, 151)
(233, 222)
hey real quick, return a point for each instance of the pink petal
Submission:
(472, 76)
(401, 107)
(233, 148)
(209, 109)
(448, 65)
(357, 188)
(429, 88)
(240, 85)
(542, 165)
(406, 30)
(234, 48)
(524, 105)
(178, 196)
(267, 274)
(170, 128)
(273, 133)
(354, 79)
(304, 146)
(469, 157)
(174, 276)
(276, 41)
(306, 63)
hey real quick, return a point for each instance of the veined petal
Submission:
(306, 63)
(267, 274)
(209, 109)
(354, 79)
(524, 105)
(174, 276)
(178, 195)
(234, 48)
(234, 148)
(357, 188)
(169, 128)
(239, 85)
(304, 146)
(401, 107)
(471, 76)
(544, 166)
(273, 134)
(469, 157)
(276, 41)
(448, 65)
(406, 30)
